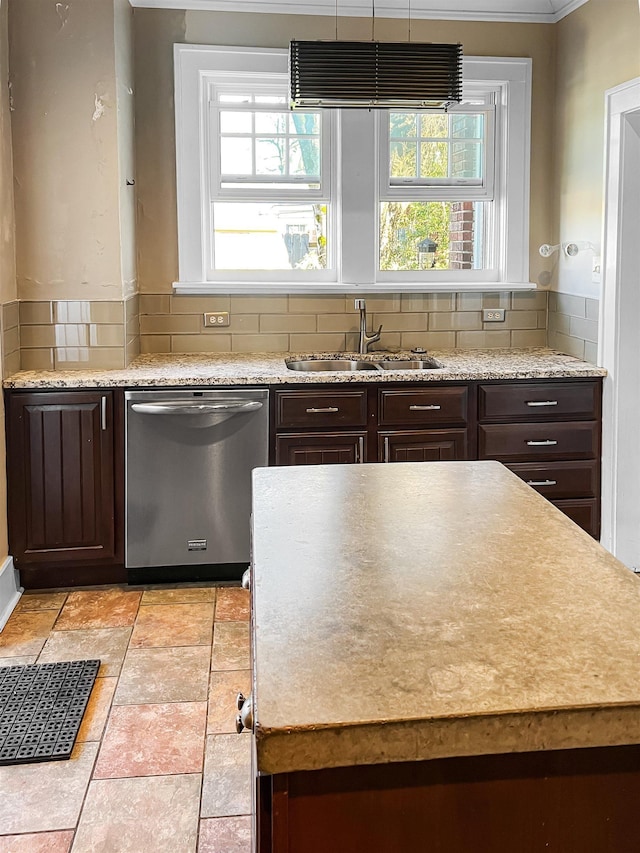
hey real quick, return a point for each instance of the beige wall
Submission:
(65, 149)
(7, 252)
(598, 48)
(157, 30)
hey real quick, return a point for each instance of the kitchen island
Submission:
(442, 661)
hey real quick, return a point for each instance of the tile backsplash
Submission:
(81, 334)
(573, 325)
(10, 334)
(78, 334)
(325, 323)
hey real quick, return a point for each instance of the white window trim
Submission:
(192, 64)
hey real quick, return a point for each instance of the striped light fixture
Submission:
(374, 75)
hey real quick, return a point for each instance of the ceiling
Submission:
(541, 11)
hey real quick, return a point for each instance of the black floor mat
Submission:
(41, 708)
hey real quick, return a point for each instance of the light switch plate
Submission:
(493, 315)
(216, 319)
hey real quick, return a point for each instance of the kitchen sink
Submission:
(312, 365)
(412, 364)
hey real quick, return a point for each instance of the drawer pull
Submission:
(424, 408)
(360, 450)
(547, 443)
(103, 413)
(542, 403)
(386, 449)
(327, 409)
(542, 482)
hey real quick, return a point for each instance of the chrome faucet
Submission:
(365, 340)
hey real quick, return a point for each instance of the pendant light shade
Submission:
(373, 74)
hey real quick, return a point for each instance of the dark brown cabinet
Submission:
(324, 449)
(65, 507)
(548, 433)
(436, 445)
(397, 424)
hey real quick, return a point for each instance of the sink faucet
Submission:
(365, 340)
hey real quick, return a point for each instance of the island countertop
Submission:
(416, 611)
(203, 369)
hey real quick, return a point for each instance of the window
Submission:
(274, 200)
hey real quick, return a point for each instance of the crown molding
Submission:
(521, 11)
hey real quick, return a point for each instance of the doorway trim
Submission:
(619, 323)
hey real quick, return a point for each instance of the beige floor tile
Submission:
(164, 675)
(230, 646)
(158, 814)
(223, 690)
(109, 645)
(97, 711)
(22, 660)
(185, 595)
(103, 608)
(153, 740)
(225, 835)
(46, 796)
(41, 601)
(173, 625)
(41, 842)
(25, 633)
(232, 604)
(226, 786)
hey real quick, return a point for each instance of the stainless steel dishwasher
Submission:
(189, 457)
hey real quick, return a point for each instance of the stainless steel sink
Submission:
(400, 364)
(313, 365)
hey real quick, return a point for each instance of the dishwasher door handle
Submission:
(195, 407)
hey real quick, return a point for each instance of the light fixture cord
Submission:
(409, 20)
(373, 20)
(336, 20)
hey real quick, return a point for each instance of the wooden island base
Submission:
(568, 801)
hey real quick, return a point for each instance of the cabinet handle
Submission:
(547, 443)
(424, 408)
(360, 450)
(542, 403)
(103, 413)
(322, 411)
(385, 457)
(542, 482)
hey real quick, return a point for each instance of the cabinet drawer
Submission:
(529, 442)
(539, 401)
(321, 409)
(585, 513)
(560, 479)
(424, 406)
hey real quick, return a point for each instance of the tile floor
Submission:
(157, 764)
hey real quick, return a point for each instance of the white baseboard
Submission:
(10, 590)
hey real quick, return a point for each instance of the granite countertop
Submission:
(409, 612)
(270, 369)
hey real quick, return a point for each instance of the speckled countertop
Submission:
(407, 612)
(270, 369)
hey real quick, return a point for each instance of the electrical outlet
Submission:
(216, 319)
(493, 315)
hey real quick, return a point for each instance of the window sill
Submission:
(192, 288)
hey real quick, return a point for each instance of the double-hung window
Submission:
(275, 200)
(270, 188)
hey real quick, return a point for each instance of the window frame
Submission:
(353, 230)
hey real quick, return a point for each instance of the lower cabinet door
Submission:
(61, 477)
(321, 448)
(432, 445)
